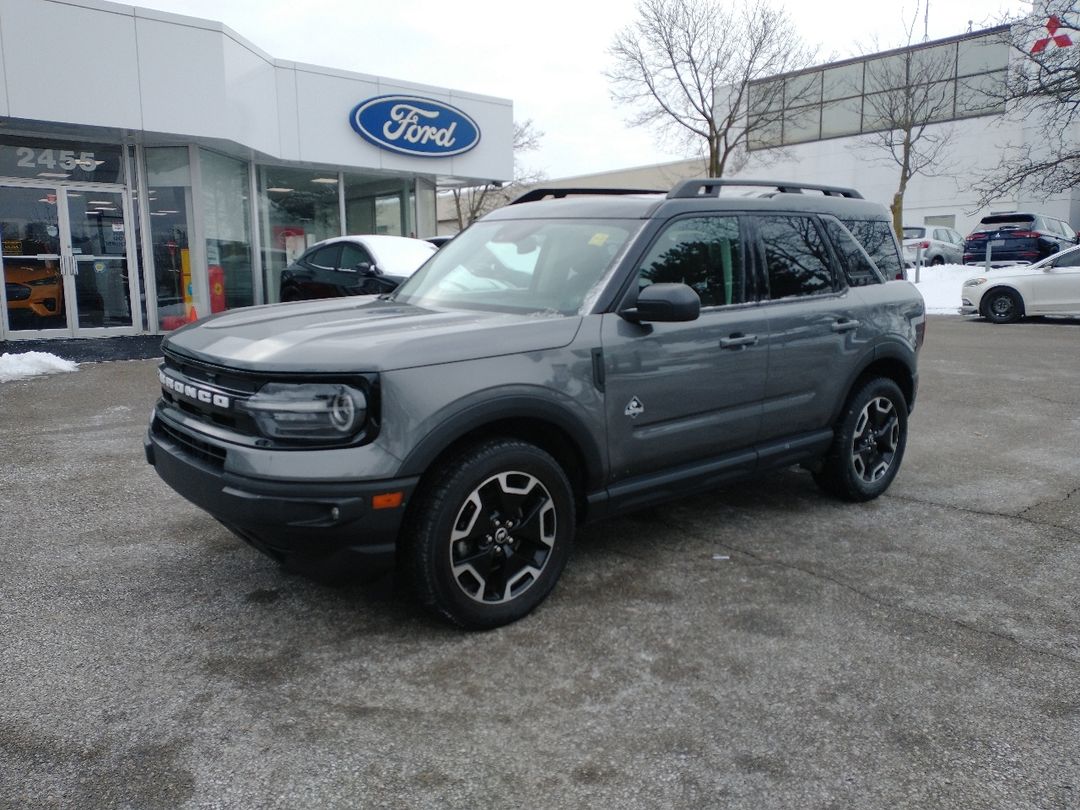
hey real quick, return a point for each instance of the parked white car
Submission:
(937, 245)
(1049, 287)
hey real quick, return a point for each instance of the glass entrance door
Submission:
(65, 256)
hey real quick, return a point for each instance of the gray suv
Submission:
(575, 355)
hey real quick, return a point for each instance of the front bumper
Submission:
(296, 522)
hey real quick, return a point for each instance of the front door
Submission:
(64, 257)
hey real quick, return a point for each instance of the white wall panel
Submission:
(251, 98)
(98, 63)
(182, 79)
(71, 63)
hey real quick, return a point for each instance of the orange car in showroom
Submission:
(39, 289)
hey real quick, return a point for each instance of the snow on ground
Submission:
(31, 364)
(940, 286)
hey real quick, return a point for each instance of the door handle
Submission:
(737, 341)
(844, 325)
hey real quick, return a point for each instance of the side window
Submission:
(942, 235)
(858, 267)
(352, 255)
(703, 252)
(1070, 234)
(796, 258)
(876, 237)
(324, 258)
(1068, 259)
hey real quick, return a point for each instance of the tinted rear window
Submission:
(876, 237)
(914, 233)
(993, 223)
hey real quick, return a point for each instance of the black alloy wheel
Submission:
(869, 443)
(1002, 306)
(490, 534)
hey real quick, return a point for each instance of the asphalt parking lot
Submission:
(760, 647)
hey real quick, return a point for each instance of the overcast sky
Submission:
(547, 57)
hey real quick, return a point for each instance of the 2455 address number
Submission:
(55, 159)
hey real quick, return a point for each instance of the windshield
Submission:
(528, 266)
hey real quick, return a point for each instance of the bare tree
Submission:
(473, 202)
(1043, 86)
(686, 66)
(907, 95)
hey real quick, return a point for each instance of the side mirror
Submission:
(366, 269)
(664, 303)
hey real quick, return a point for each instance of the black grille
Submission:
(191, 446)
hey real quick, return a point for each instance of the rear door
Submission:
(678, 393)
(816, 325)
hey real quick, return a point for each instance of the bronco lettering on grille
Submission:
(195, 393)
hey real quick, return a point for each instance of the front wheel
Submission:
(869, 443)
(490, 533)
(1003, 306)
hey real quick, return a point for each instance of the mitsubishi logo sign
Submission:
(1053, 25)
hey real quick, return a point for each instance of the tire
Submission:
(869, 443)
(1002, 306)
(938, 260)
(490, 534)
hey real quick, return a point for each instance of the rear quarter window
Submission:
(876, 237)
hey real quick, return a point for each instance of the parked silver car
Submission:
(939, 245)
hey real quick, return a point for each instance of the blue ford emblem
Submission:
(415, 126)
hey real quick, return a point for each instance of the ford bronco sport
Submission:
(571, 356)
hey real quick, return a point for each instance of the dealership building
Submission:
(824, 124)
(156, 168)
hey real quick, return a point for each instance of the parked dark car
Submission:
(1017, 238)
(353, 265)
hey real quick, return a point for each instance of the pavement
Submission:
(762, 646)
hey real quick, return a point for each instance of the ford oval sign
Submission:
(415, 126)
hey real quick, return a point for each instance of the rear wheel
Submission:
(490, 533)
(869, 443)
(938, 260)
(1002, 306)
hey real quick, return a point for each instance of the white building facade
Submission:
(156, 168)
(828, 136)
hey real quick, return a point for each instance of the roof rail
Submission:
(559, 193)
(711, 188)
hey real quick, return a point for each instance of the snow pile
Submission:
(941, 286)
(30, 364)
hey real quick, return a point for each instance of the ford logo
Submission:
(414, 126)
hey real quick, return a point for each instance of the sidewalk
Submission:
(90, 350)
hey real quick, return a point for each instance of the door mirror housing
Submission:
(366, 269)
(664, 303)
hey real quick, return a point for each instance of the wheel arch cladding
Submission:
(547, 425)
(889, 365)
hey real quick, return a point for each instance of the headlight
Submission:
(974, 282)
(318, 411)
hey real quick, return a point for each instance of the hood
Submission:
(360, 334)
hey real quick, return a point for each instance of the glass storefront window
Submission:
(297, 208)
(375, 205)
(227, 220)
(168, 180)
